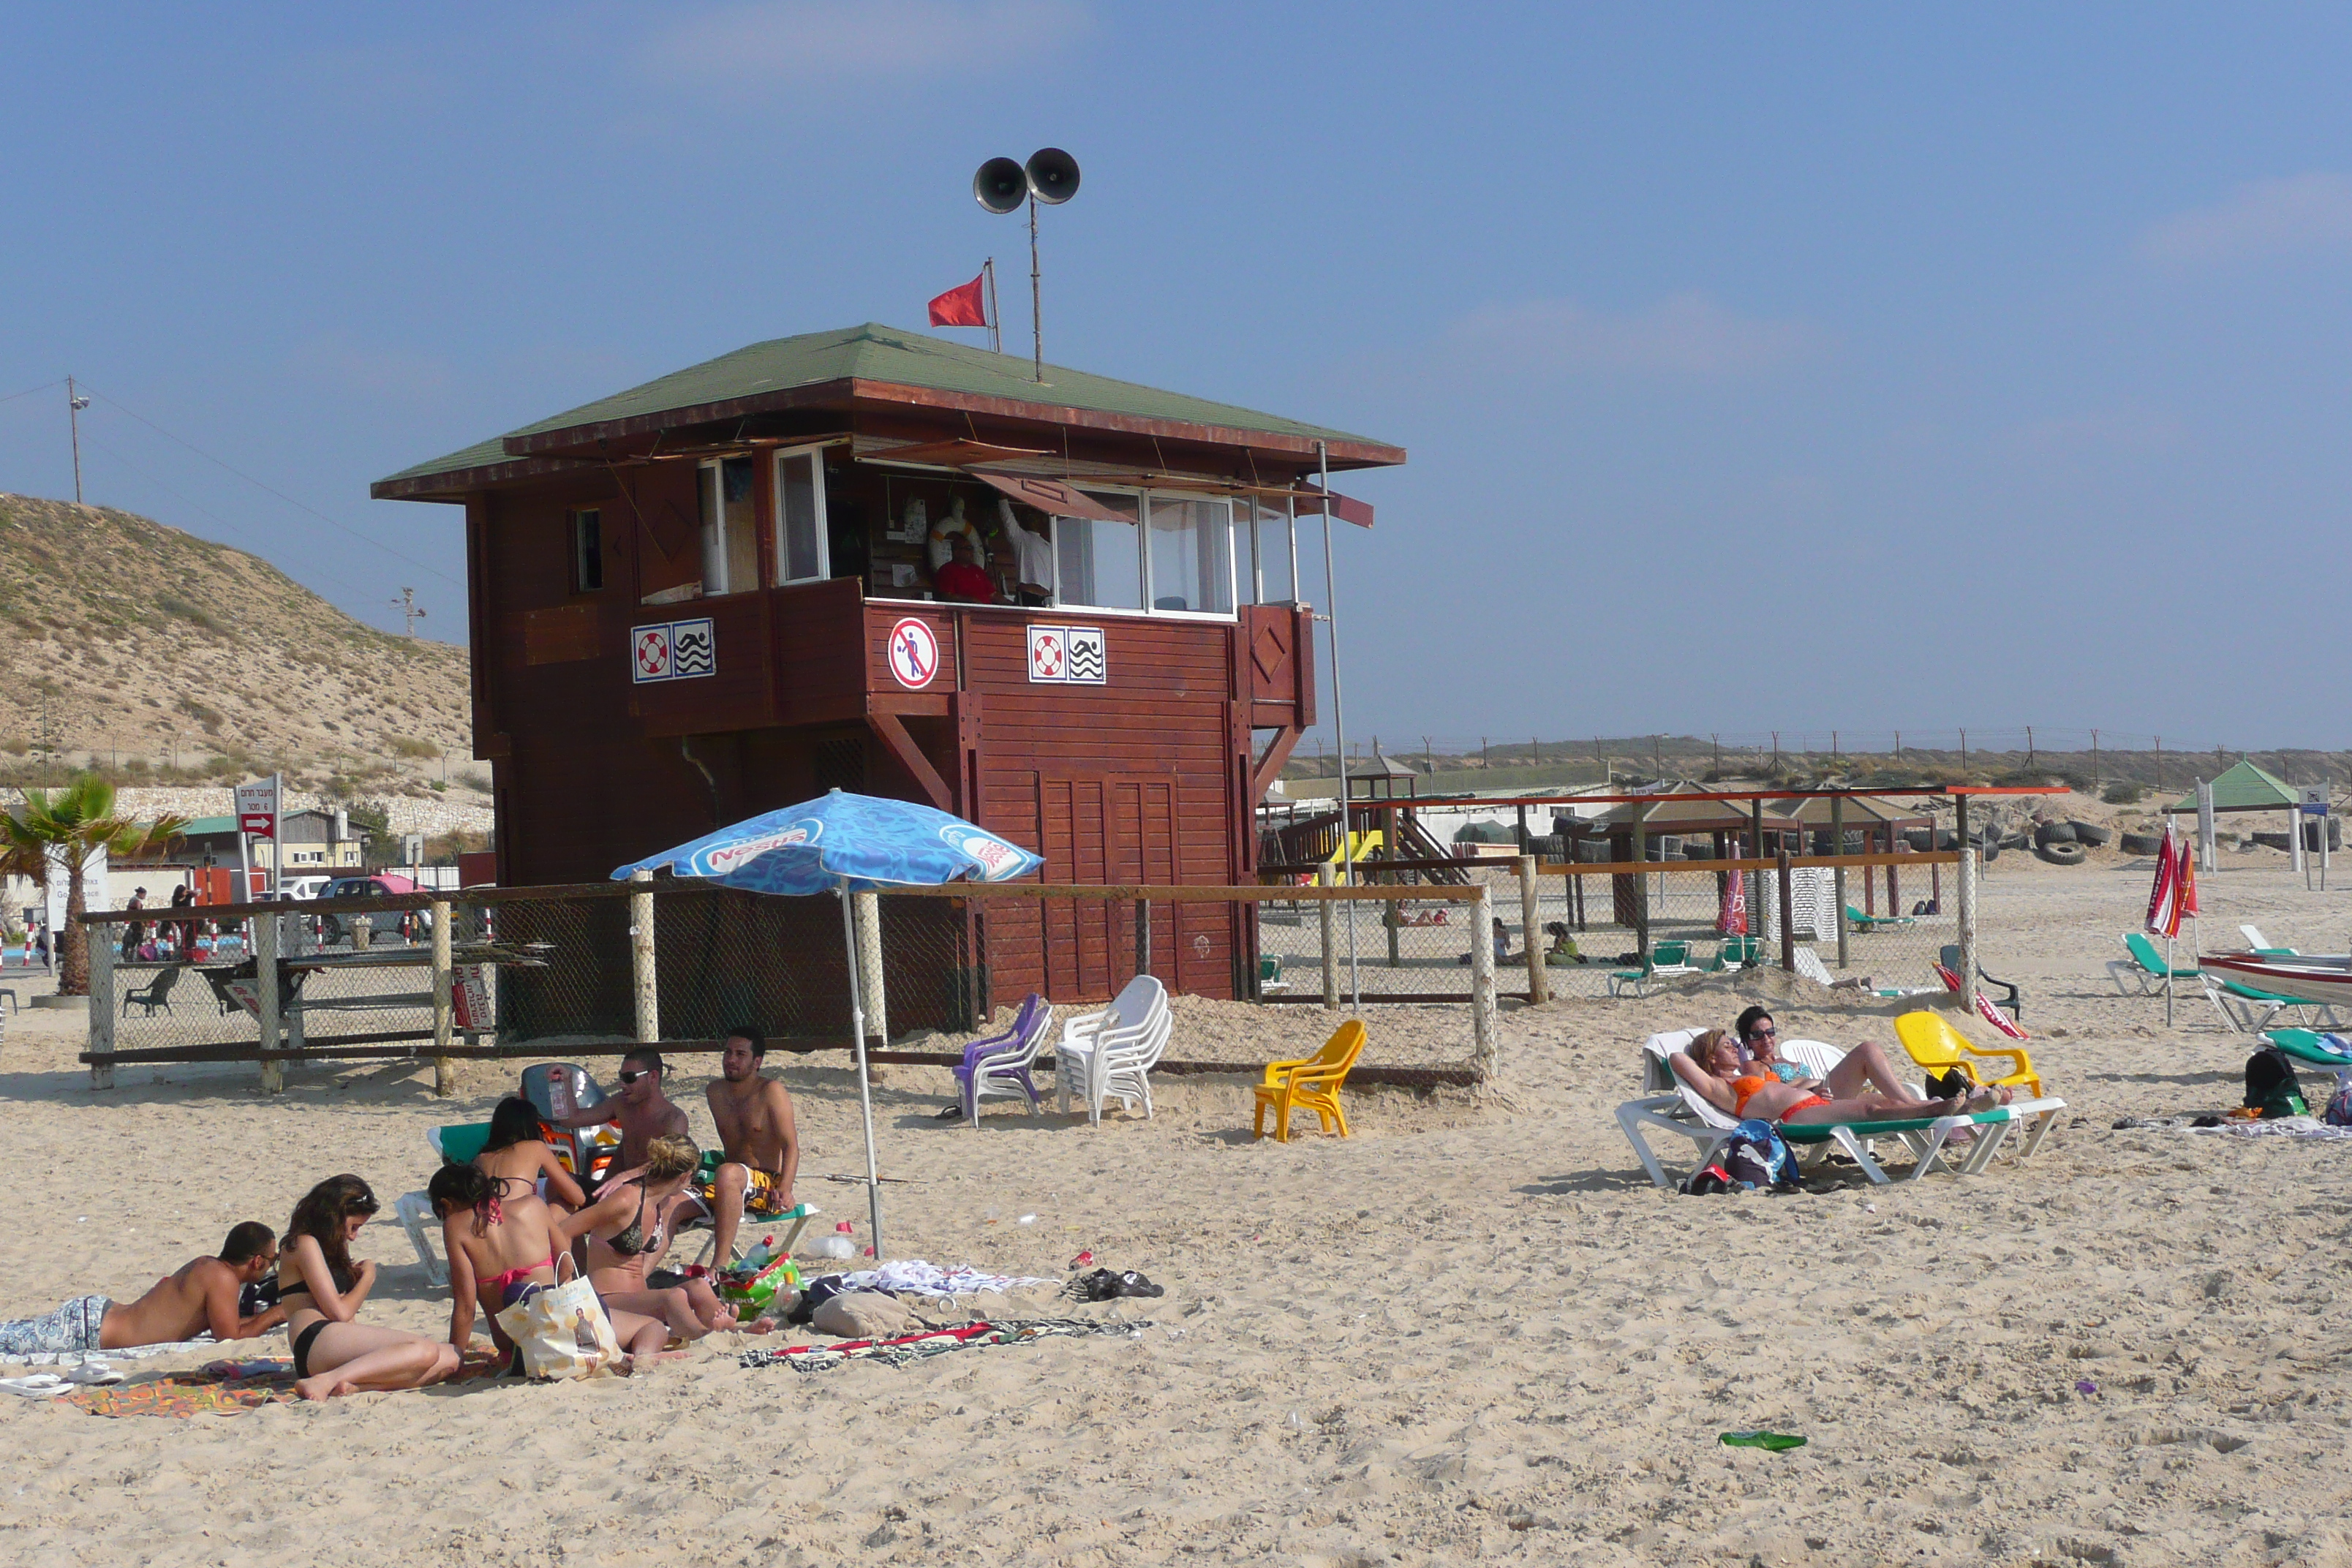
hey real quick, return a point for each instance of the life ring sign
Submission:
(914, 653)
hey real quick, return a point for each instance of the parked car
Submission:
(376, 884)
(305, 887)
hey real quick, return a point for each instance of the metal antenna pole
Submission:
(1036, 311)
(1339, 731)
(75, 403)
(995, 315)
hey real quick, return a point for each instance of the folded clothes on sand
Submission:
(913, 1277)
(935, 1341)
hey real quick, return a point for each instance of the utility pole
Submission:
(2094, 762)
(2028, 747)
(410, 612)
(75, 403)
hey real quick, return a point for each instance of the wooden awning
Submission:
(954, 454)
(1051, 496)
(1347, 508)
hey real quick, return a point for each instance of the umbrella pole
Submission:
(2167, 993)
(865, 1088)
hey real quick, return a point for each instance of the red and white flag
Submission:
(962, 306)
(2164, 899)
(1733, 920)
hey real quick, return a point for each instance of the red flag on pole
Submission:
(960, 307)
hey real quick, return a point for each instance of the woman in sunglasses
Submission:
(1865, 1069)
(322, 1291)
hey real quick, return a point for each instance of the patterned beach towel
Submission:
(222, 1388)
(910, 1348)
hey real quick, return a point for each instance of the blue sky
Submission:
(1762, 368)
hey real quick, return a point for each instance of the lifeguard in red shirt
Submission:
(961, 580)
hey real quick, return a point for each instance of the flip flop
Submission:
(40, 1386)
(93, 1371)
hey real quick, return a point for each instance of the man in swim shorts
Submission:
(202, 1294)
(754, 1117)
(641, 1111)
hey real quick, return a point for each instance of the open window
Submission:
(1191, 558)
(803, 549)
(587, 550)
(730, 540)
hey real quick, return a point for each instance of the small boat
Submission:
(2323, 978)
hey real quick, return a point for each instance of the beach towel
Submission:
(911, 1348)
(223, 1388)
(913, 1277)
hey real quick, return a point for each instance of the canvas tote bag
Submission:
(562, 1332)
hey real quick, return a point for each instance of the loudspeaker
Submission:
(1001, 185)
(1052, 175)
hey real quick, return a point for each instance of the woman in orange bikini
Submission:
(1711, 1065)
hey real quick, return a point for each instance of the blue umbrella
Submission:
(846, 844)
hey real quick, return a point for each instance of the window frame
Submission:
(573, 519)
(710, 489)
(815, 455)
(1150, 589)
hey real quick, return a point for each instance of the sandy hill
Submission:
(134, 644)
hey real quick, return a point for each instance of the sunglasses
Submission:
(1762, 1029)
(629, 1077)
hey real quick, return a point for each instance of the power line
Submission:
(271, 489)
(30, 390)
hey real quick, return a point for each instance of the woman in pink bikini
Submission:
(1871, 1091)
(504, 1250)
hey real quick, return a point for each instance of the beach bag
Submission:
(2271, 1087)
(750, 1291)
(562, 1332)
(1755, 1156)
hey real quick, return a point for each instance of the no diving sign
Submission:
(914, 652)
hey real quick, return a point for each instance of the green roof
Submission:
(204, 826)
(873, 353)
(2243, 787)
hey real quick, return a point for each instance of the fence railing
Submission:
(601, 968)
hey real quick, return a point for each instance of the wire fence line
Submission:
(600, 970)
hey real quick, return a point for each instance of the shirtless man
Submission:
(641, 1110)
(754, 1118)
(202, 1294)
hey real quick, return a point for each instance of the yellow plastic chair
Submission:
(1936, 1046)
(1310, 1085)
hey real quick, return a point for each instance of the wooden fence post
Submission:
(644, 980)
(444, 1066)
(265, 980)
(1788, 915)
(1968, 918)
(1531, 918)
(1482, 988)
(867, 907)
(1324, 915)
(101, 1003)
(1641, 886)
(1837, 848)
(1143, 937)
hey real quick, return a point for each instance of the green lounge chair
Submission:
(2310, 1046)
(1666, 960)
(1737, 953)
(2146, 965)
(1863, 922)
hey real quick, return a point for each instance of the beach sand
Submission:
(1474, 1331)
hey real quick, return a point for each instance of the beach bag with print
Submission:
(562, 1332)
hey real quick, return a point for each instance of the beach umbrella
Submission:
(843, 844)
(2173, 895)
(1732, 921)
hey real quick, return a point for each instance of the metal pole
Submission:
(1339, 725)
(1257, 566)
(1037, 338)
(995, 313)
(74, 404)
(1324, 916)
(1788, 915)
(1290, 524)
(865, 1085)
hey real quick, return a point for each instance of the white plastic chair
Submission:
(1124, 1070)
(1120, 1036)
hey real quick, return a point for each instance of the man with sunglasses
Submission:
(641, 1111)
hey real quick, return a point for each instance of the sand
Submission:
(1473, 1331)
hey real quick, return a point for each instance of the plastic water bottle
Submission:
(838, 1245)
(760, 1254)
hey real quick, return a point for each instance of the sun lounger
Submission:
(2144, 965)
(1674, 1107)
(1666, 960)
(1863, 922)
(2310, 1046)
(1810, 967)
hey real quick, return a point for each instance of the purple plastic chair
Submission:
(1006, 1059)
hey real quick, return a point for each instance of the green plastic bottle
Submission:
(1775, 1441)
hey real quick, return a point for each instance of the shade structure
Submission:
(843, 844)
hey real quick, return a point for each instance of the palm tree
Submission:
(72, 824)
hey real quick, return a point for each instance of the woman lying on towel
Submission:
(323, 1291)
(1711, 1066)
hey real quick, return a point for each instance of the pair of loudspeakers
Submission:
(1001, 186)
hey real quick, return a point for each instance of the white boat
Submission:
(2323, 978)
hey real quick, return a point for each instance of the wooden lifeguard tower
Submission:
(714, 594)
